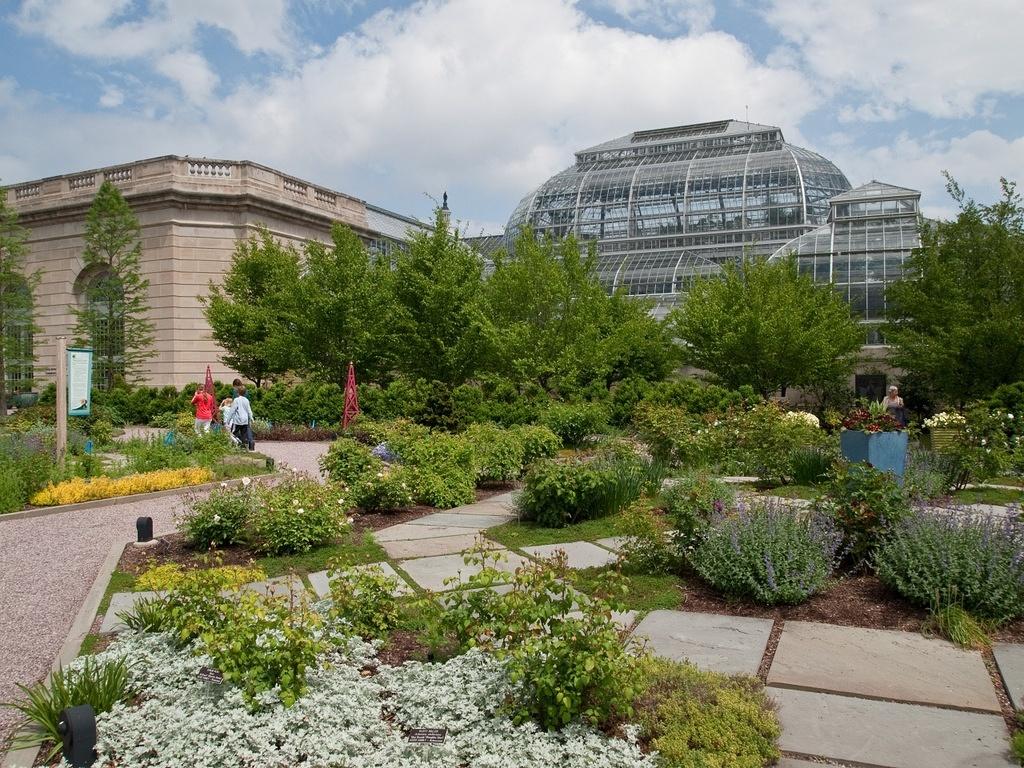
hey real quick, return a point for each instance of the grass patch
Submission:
(527, 534)
(989, 496)
(1014, 480)
(88, 645)
(646, 592)
(351, 551)
(120, 581)
(809, 492)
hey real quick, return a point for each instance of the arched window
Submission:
(101, 323)
(19, 354)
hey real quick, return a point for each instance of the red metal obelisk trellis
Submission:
(351, 398)
(208, 386)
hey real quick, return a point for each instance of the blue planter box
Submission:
(885, 451)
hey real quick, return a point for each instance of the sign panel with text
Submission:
(79, 382)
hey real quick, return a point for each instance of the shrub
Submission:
(78, 489)
(926, 475)
(562, 648)
(161, 578)
(768, 437)
(574, 422)
(690, 503)
(386, 490)
(27, 465)
(695, 718)
(442, 465)
(153, 454)
(101, 432)
(954, 558)
(12, 491)
(363, 597)
(688, 440)
(865, 503)
(296, 516)
(768, 554)
(810, 466)
(86, 681)
(980, 449)
(649, 546)
(556, 493)
(347, 460)
(220, 519)
(497, 453)
(538, 442)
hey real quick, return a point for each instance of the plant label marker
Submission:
(211, 675)
(426, 735)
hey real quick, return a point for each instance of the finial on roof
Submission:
(444, 204)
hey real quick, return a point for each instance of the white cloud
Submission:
(976, 160)
(112, 97)
(938, 57)
(191, 72)
(666, 16)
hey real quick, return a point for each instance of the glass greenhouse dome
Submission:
(669, 205)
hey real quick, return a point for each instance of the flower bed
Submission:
(80, 489)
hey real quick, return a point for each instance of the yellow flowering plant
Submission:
(80, 489)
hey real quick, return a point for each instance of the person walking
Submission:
(205, 406)
(240, 417)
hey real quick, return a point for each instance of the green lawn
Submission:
(1008, 480)
(526, 534)
(646, 592)
(989, 496)
(350, 552)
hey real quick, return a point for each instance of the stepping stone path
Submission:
(280, 586)
(728, 644)
(432, 572)
(614, 543)
(1010, 660)
(579, 554)
(322, 586)
(123, 602)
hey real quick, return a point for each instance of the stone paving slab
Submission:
(321, 583)
(728, 644)
(881, 664)
(445, 545)
(410, 532)
(579, 554)
(624, 619)
(888, 734)
(279, 586)
(431, 572)
(1010, 660)
(476, 522)
(614, 543)
(503, 504)
(122, 602)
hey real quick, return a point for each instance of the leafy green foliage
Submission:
(219, 519)
(955, 320)
(574, 422)
(955, 624)
(952, 558)
(768, 554)
(347, 461)
(765, 325)
(113, 319)
(17, 304)
(980, 449)
(498, 454)
(364, 599)
(538, 442)
(385, 490)
(442, 464)
(27, 465)
(100, 685)
(810, 465)
(698, 719)
(865, 503)
(691, 502)
(252, 312)
(768, 438)
(648, 548)
(296, 516)
(565, 666)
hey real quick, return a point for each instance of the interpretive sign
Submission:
(79, 382)
(426, 735)
(211, 675)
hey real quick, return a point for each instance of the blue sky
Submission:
(396, 102)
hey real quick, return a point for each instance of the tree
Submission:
(113, 319)
(554, 323)
(764, 324)
(956, 320)
(252, 315)
(441, 324)
(17, 323)
(347, 298)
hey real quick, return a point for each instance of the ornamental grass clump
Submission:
(768, 553)
(954, 557)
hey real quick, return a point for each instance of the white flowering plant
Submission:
(946, 420)
(386, 490)
(295, 516)
(805, 417)
(219, 519)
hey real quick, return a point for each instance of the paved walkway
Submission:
(49, 563)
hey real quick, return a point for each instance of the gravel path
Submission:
(47, 565)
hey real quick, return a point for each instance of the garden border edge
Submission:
(26, 514)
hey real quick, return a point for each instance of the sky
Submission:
(397, 102)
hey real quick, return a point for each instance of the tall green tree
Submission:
(347, 310)
(765, 325)
(441, 323)
(113, 320)
(17, 285)
(957, 320)
(253, 313)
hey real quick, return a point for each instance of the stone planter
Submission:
(885, 451)
(941, 438)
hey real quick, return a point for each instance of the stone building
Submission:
(192, 211)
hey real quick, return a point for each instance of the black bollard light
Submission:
(77, 726)
(144, 526)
